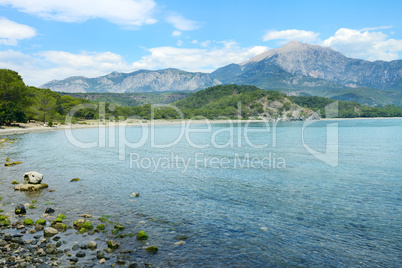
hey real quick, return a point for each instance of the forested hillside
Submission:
(20, 103)
(245, 101)
(347, 109)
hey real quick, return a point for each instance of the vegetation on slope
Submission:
(347, 109)
(245, 101)
(131, 99)
(19, 103)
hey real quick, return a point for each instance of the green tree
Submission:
(44, 104)
(13, 97)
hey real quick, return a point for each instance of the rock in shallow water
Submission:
(92, 245)
(113, 244)
(142, 235)
(33, 177)
(49, 211)
(80, 254)
(20, 209)
(49, 231)
(27, 187)
(152, 249)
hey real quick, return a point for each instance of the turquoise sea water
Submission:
(238, 205)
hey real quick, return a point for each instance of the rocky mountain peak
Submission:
(295, 49)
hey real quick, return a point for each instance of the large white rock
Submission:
(33, 177)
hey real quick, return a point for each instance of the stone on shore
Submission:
(33, 177)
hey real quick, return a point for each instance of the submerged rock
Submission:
(10, 164)
(33, 177)
(142, 235)
(112, 244)
(152, 249)
(92, 245)
(41, 222)
(4, 221)
(20, 209)
(180, 243)
(86, 215)
(28, 221)
(83, 225)
(49, 211)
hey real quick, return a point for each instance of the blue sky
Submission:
(45, 40)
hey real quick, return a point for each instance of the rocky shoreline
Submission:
(31, 239)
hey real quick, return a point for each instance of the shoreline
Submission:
(25, 128)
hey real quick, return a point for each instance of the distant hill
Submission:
(139, 82)
(233, 101)
(131, 99)
(295, 68)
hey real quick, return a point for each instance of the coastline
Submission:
(35, 127)
(358, 118)
(25, 128)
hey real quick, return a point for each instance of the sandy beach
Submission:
(24, 128)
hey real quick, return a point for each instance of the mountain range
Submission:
(296, 68)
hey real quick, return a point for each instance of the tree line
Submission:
(347, 109)
(21, 103)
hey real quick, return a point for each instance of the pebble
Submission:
(92, 245)
(180, 243)
(40, 252)
(80, 254)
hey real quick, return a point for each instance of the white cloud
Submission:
(181, 23)
(176, 33)
(122, 12)
(289, 35)
(365, 44)
(39, 68)
(179, 43)
(197, 59)
(206, 43)
(42, 67)
(376, 28)
(11, 32)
